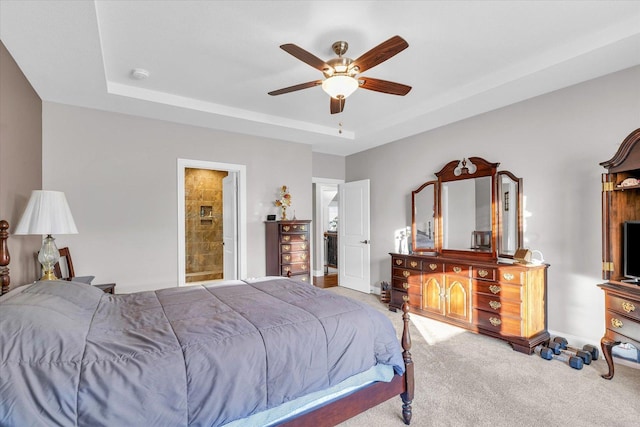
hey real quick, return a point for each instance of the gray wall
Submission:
(555, 142)
(119, 174)
(20, 161)
(328, 166)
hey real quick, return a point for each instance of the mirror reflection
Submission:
(466, 214)
(509, 190)
(423, 218)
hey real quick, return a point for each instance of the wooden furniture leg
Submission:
(607, 345)
(5, 280)
(407, 396)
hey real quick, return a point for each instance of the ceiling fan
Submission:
(341, 73)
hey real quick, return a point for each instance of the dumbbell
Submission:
(593, 350)
(548, 354)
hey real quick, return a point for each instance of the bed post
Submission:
(407, 396)
(4, 257)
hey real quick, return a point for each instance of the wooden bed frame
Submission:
(330, 413)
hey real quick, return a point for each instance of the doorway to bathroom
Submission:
(211, 222)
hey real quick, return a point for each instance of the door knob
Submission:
(366, 242)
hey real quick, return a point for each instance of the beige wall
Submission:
(121, 185)
(20, 161)
(555, 142)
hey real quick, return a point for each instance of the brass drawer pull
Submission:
(405, 298)
(483, 273)
(398, 262)
(616, 323)
(303, 247)
(495, 305)
(628, 307)
(405, 285)
(286, 228)
(495, 321)
(457, 269)
(303, 227)
(494, 289)
(287, 269)
(287, 257)
(303, 256)
(414, 264)
(286, 248)
(286, 238)
(433, 266)
(303, 237)
(508, 276)
(405, 273)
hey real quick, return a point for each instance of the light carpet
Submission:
(466, 379)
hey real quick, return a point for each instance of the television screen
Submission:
(632, 249)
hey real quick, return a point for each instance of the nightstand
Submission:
(109, 288)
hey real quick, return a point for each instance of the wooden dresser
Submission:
(288, 249)
(506, 301)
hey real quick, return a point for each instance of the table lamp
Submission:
(47, 213)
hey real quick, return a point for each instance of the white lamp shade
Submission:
(340, 86)
(46, 213)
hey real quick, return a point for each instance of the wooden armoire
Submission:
(620, 205)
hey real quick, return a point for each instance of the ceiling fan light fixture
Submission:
(340, 86)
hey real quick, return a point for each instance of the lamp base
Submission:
(48, 275)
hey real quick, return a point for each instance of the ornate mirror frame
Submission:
(504, 212)
(424, 223)
(509, 214)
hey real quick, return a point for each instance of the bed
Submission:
(268, 351)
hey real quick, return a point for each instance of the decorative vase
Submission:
(284, 213)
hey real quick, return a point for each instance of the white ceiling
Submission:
(212, 63)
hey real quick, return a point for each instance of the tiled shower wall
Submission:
(203, 224)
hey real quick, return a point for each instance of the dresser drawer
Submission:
(510, 275)
(429, 266)
(406, 273)
(293, 238)
(397, 299)
(622, 325)
(411, 284)
(495, 322)
(505, 292)
(625, 306)
(484, 273)
(293, 228)
(496, 304)
(458, 269)
(294, 268)
(294, 247)
(290, 257)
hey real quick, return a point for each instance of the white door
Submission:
(353, 236)
(229, 225)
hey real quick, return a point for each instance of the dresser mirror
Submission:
(466, 214)
(509, 214)
(472, 210)
(423, 216)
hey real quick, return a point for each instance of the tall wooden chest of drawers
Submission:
(506, 301)
(288, 249)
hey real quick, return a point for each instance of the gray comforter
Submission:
(72, 355)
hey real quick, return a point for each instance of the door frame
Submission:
(241, 170)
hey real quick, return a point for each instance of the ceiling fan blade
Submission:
(295, 87)
(337, 105)
(384, 86)
(380, 53)
(305, 56)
